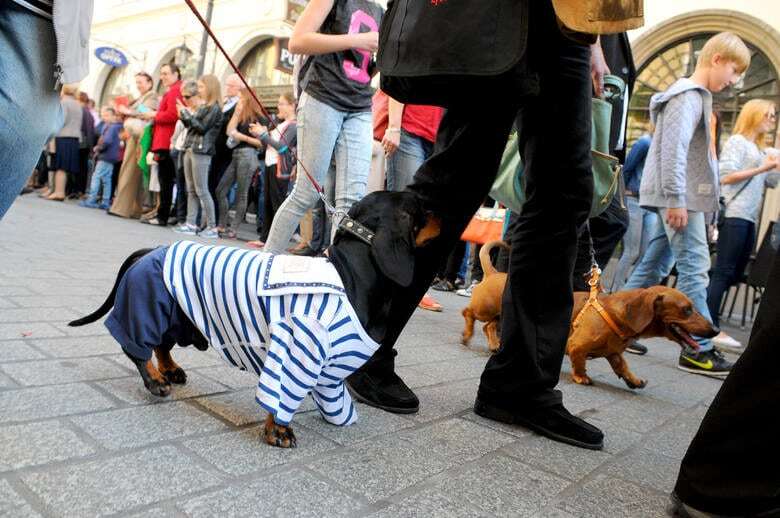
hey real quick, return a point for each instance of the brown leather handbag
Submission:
(600, 16)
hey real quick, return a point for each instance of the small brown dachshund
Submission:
(642, 313)
(485, 304)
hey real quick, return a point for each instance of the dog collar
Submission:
(363, 233)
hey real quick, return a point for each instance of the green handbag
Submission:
(508, 188)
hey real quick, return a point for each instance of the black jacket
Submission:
(203, 129)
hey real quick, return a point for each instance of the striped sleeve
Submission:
(296, 353)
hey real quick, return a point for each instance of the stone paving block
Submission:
(77, 347)
(687, 392)
(371, 422)
(131, 389)
(443, 371)
(445, 400)
(646, 467)
(16, 350)
(565, 461)
(13, 291)
(381, 468)
(639, 414)
(28, 330)
(6, 382)
(245, 451)
(502, 486)
(53, 372)
(45, 402)
(513, 430)
(33, 444)
(155, 512)
(12, 504)
(138, 426)
(190, 358)
(107, 486)
(429, 354)
(95, 329)
(5, 303)
(607, 496)
(457, 440)
(616, 437)
(230, 376)
(37, 315)
(582, 398)
(430, 504)
(73, 302)
(240, 408)
(61, 288)
(294, 493)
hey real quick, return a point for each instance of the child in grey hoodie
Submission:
(680, 182)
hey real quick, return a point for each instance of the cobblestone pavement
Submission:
(80, 436)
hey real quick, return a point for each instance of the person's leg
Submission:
(94, 186)
(319, 125)
(353, 161)
(537, 303)
(107, 174)
(28, 115)
(731, 465)
(201, 175)
(223, 188)
(730, 246)
(166, 175)
(247, 165)
(606, 230)
(270, 195)
(657, 260)
(181, 189)
(193, 202)
(632, 242)
(403, 163)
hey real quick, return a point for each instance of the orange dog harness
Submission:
(595, 287)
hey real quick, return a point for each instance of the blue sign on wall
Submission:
(111, 56)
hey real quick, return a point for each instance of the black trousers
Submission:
(274, 195)
(166, 173)
(606, 230)
(731, 466)
(548, 94)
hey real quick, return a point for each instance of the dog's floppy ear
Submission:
(429, 231)
(392, 249)
(640, 310)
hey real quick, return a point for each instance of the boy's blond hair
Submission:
(730, 47)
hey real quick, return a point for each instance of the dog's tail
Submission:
(484, 257)
(109, 303)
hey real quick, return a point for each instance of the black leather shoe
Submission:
(636, 348)
(554, 422)
(388, 392)
(305, 251)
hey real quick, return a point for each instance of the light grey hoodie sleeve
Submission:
(681, 116)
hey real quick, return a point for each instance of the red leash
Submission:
(272, 124)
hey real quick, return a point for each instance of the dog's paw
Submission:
(634, 385)
(581, 380)
(280, 436)
(177, 376)
(159, 389)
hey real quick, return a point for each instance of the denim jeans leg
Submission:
(201, 165)
(735, 243)
(631, 244)
(657, 260)
(319, 126)
(689, 246)
(107, 174)
(405, 161)
(28, 115)
(94, 184)
(353, 161)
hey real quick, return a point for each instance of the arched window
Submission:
(678, 59)
(120, 81)
(259, 66)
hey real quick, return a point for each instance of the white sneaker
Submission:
(209, 233)
(466, 292)
(186, 228)
(724, 340)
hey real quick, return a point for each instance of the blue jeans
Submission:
(30, 110)
(635, 241)
(324, 132)
(101, 176)
(688, 247)
(196, 174)
(735, 244)
(411, 153)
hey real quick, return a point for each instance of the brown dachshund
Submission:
(485, 304)
(643, 313)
